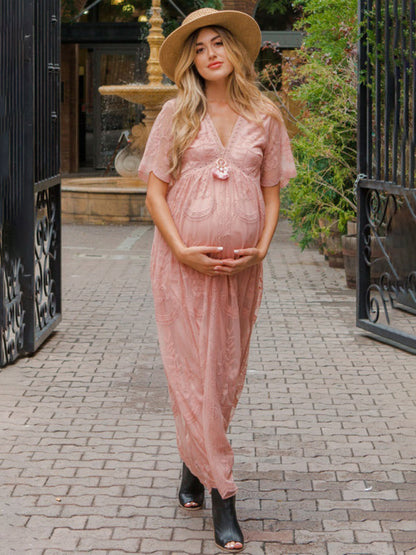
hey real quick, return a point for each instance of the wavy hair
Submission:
(191, 104)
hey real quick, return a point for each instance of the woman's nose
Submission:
(211, 52)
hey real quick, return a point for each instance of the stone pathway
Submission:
(324, 435)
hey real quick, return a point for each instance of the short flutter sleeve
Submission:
(156, 154)
(278, 164)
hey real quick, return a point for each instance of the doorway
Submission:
(103, 119)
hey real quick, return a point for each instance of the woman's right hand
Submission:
(198, 258)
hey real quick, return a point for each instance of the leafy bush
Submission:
(322, 78)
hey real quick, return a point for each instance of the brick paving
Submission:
(324, 434)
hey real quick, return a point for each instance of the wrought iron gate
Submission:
(386, 289)
(30, 280)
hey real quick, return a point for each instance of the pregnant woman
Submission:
(214, 162)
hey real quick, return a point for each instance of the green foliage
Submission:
(273, 7)
(330, 27)
(127, 10)
(322, 79)
(124, 11)
(325, 149)
(172, 18)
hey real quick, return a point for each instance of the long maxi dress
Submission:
(204, 323)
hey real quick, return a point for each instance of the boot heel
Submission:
(226, 527)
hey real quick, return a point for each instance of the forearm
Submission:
(271, 197)
(196, 257)
(158, 208)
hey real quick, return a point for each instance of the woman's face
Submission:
(210, 59)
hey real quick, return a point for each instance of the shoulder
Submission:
(268, 115)
(165, 116)
(269, 109)
(273, 122)
(169, 107)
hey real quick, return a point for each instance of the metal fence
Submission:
(30, 290)
(386, 292)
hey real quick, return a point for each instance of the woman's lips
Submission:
(215, 65)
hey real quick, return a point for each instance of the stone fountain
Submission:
(153, 94)
(101, 200)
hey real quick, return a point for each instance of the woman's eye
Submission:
(199, 50)
(219, 43)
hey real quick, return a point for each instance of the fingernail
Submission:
(220, 248)
(236, 251)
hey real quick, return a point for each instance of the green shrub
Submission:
(322, 77)
(325, 149)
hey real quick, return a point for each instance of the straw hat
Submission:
(241, 25)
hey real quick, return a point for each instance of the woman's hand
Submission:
(198, 258)
(195, 257)
(245, 258)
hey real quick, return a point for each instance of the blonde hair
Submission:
(191, 105)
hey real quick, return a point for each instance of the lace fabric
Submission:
(205, 323)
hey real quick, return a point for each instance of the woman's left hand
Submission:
(245, 258)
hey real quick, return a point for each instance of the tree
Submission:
(273, 7)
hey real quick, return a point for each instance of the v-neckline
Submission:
(216, 134)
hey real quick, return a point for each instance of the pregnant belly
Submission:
(207, 222)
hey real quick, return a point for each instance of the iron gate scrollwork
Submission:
(30, 226)
(12, 339)
(46, 253)
(386, 286)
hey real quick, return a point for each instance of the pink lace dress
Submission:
(204, 323)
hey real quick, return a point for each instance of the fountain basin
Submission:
(152, 95)
(104, 200)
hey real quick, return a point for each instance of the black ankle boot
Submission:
(191, 490)
(226, 527)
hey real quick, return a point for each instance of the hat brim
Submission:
(241, 25)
